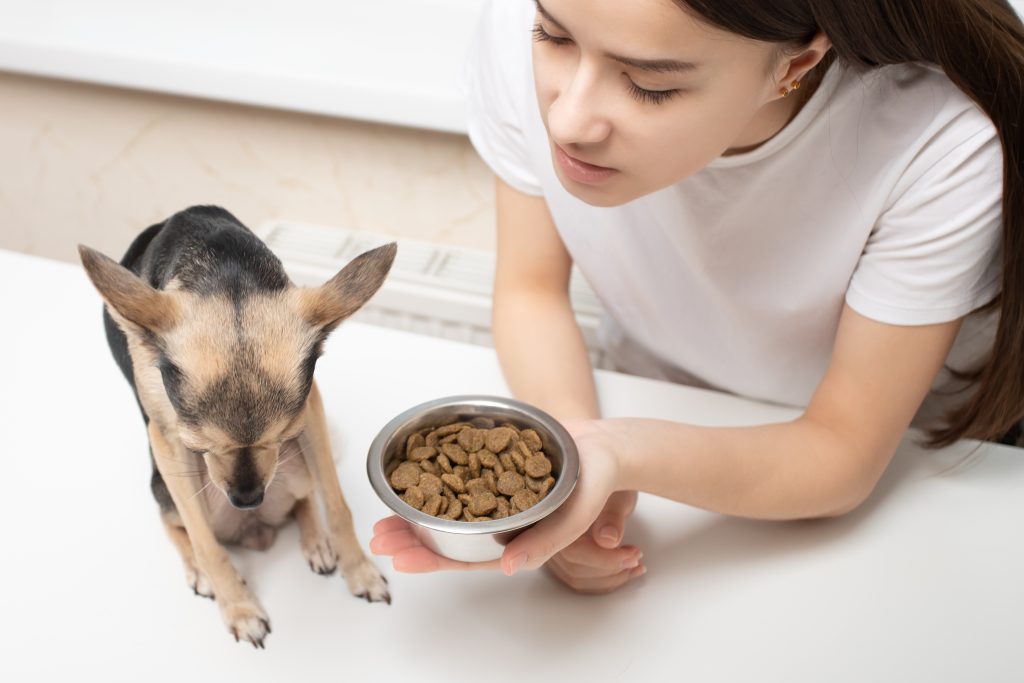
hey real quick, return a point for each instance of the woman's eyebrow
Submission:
(544, 13)
(655, 65)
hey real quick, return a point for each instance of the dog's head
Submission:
(236, 367)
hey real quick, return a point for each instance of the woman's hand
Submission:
(573, 537)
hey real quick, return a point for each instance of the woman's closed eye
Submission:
(642, 95)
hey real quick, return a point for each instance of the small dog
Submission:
(220, 347)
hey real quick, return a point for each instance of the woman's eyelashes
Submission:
(642, 95)
(650, 96)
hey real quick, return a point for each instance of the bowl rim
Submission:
(564, 485)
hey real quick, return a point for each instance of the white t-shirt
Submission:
(883, 192)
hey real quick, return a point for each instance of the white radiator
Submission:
(434, 289)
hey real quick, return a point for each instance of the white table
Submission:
(925, 582)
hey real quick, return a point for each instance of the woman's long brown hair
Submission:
(980, 46)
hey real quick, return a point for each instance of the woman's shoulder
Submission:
(915, 96)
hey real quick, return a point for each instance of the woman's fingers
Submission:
(593, 560)
(393, 536)
(392, 542)
(392, 523)
(594, 585)
(421, 559)
(608, 528)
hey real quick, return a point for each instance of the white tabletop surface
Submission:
(389, 61)
(922, 583)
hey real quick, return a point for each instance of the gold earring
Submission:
(795, 85)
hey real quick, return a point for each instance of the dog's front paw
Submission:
(364, 581)
(247, 621)
(320, 556)
(198, 582)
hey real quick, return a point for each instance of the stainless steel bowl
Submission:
(473, 541)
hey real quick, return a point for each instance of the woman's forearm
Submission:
(794, 470)
(542, 353)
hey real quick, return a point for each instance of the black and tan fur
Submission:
(220, 347)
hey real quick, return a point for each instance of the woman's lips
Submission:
(581, 171)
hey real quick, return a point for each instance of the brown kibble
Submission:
(482, 503)
(545, 487)
(472, 472)
(471, 439)
(523, 449)
(430, 484)
(520, 461)
(413, 442)
(433, 505)
(405, 475)
(455, 453)
(511, 427)
(509, 483)
(538, 466)
(506, 461)
(414, 496)
(453, 428)
(454, 482)
(497, 439)
(487, 458)
(531, 438)
(454, 509)
(523, 499)
(422, 453)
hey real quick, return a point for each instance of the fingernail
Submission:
(610, 534)
(639, 571)
(516, 563)
(630, 562)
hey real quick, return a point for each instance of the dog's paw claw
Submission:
(199, 583)
(365, 581)
(320, 556)
(246, 621)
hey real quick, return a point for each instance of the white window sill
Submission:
(388, 61)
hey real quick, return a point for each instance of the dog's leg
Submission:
(197, 580)
(363, 578)
(315, 545)
(239, 608)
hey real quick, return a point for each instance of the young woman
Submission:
(812, 202)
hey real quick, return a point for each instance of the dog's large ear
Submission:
(127, 294)
(346, 292)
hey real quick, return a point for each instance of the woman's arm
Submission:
(539, 344)
(824, 463)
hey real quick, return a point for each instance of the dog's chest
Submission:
(292, 481)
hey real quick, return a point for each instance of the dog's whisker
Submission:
(201, 490)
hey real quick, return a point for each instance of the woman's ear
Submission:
(795, 65)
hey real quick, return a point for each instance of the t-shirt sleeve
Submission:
(498, 83)
(933, 255)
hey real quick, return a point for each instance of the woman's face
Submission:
(639, 95)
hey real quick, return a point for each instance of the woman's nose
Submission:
(575, 116)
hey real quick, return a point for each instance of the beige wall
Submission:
(91, 164)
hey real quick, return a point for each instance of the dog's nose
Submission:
(246, 500)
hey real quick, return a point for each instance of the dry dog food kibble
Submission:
(464, 473)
